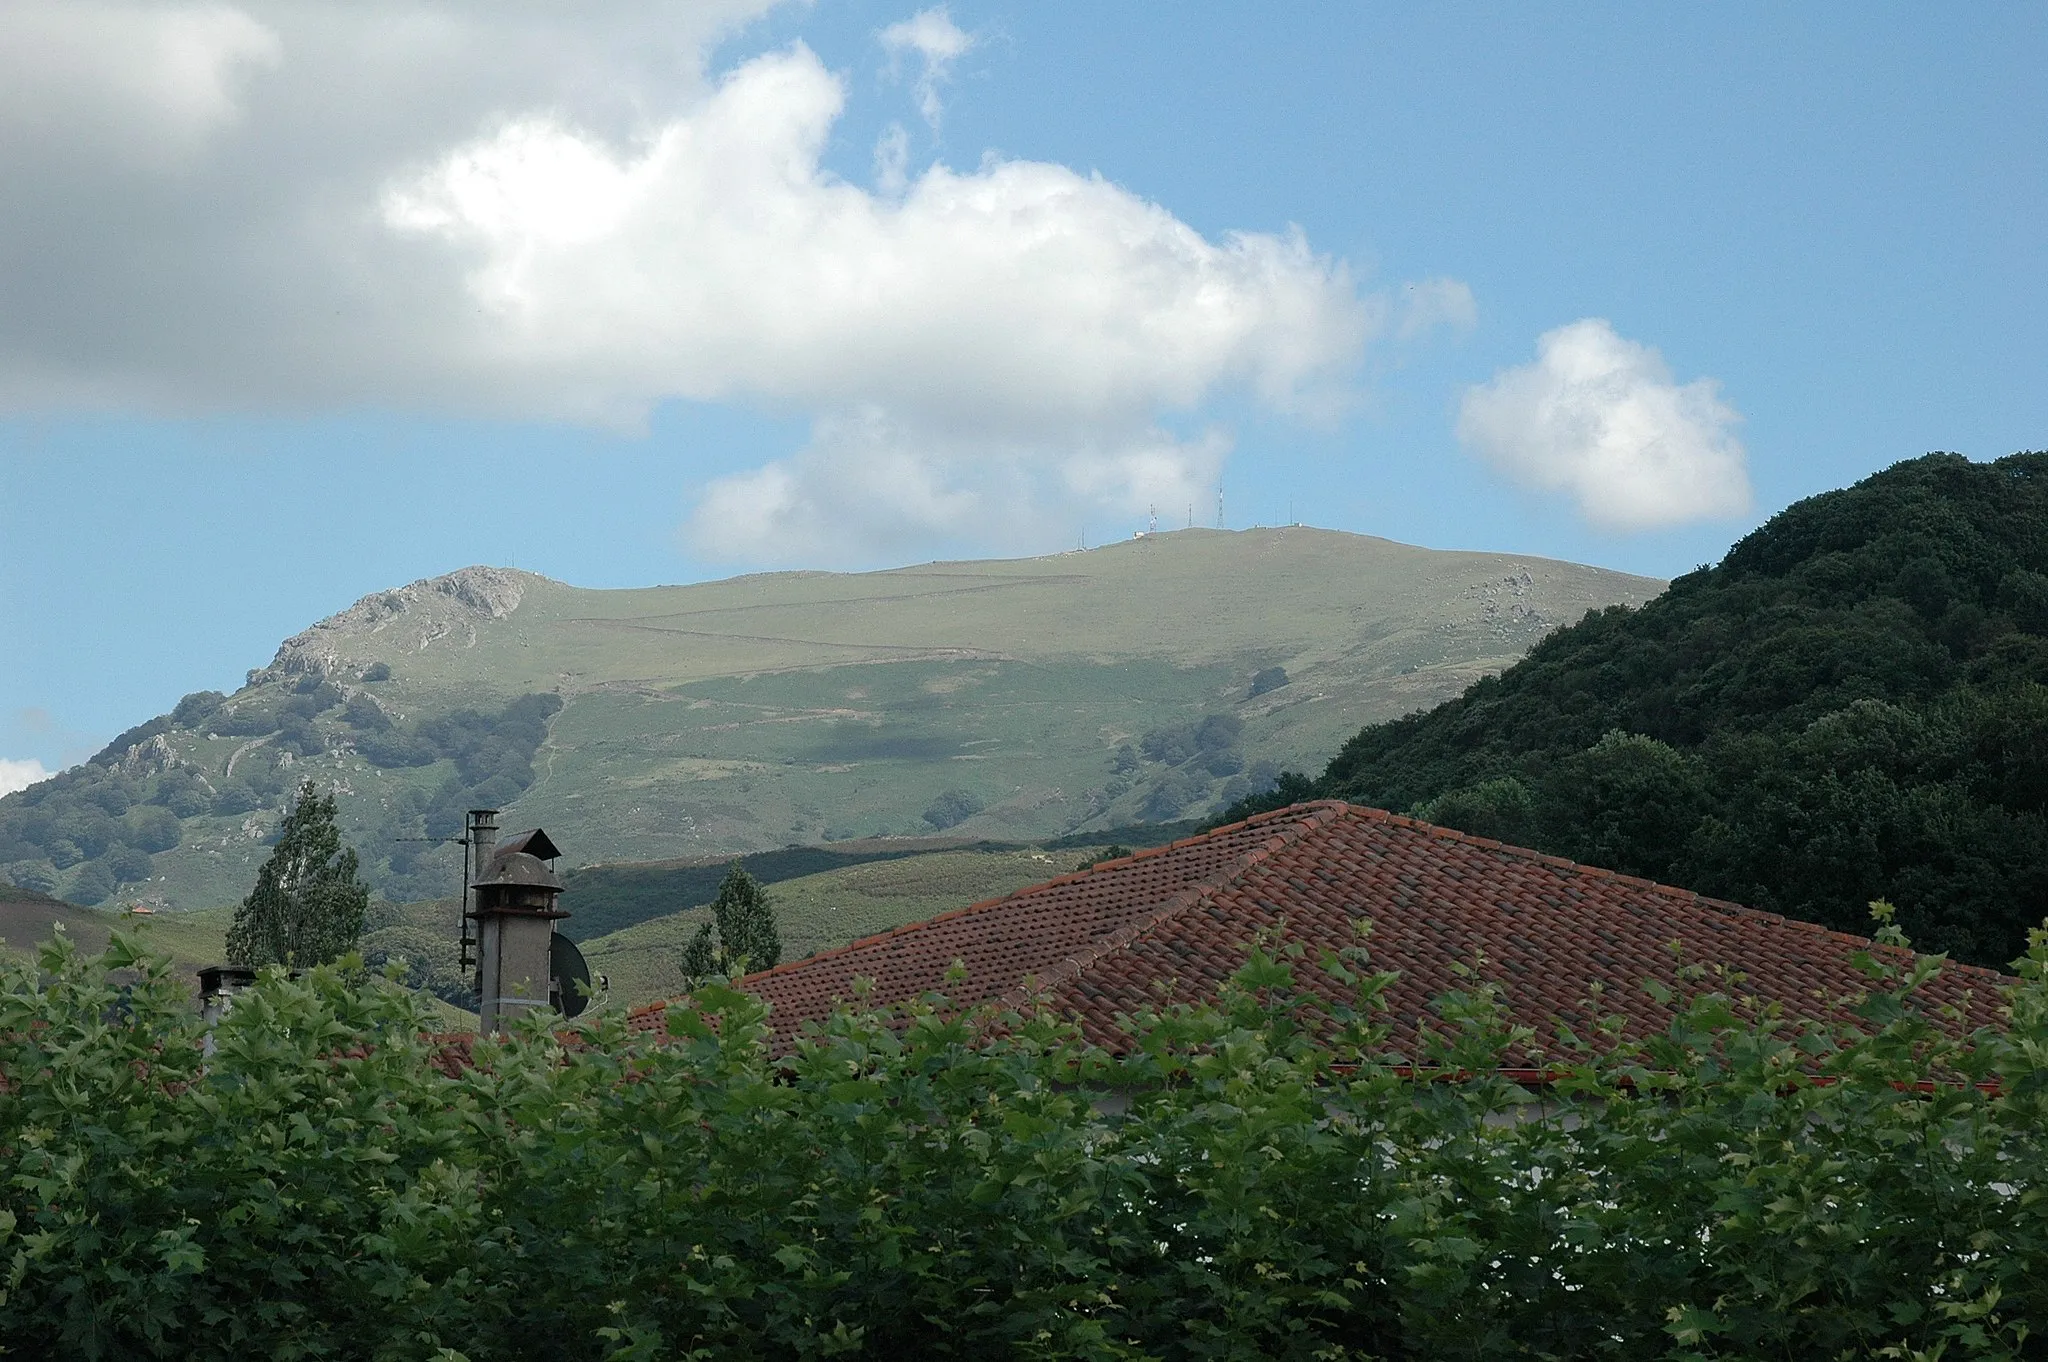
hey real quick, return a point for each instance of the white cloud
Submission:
(191, 216)
(20, 774)
(128, 81)
(938, 43)
(718, 259)
(525, 210)
(1428, 304)
(1598, 416)
(1005, 338)
(892, 161)
(867, 485)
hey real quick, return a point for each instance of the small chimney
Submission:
(483, 839)
(218, 985)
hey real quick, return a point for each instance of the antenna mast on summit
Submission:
(1219, 506)
(1151, 520)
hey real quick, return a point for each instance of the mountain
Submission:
(1153, 679)
(1852, 705)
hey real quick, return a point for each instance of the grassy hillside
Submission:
(1853, 704)
(191, 940)
(1150, 680)
(28, 918)
(609, 898)
(827, 909)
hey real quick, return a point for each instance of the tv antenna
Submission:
(464, 935)
(1219, 507)
(1151, 520)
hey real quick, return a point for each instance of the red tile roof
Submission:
(1105, 941)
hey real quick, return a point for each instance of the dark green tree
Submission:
(741, 934)
(1853, 704)
(308, 904)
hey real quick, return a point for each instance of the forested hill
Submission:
(1850, 706)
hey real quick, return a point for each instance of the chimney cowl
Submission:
(517, 869)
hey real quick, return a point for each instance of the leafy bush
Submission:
(31, 875)
(951, 809)
(319, 1181)
(297, 736)
(94, 883)
(236, 796)
(183, 794)
(308, 701)
(1199, 752)
(1174, 793)
(391, 748)
(196, 708)
(128, 865)
(1267, 678)
(365, 714)
(377, 671)
(246, 719)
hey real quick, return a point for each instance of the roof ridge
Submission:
(1293, 813)
(1309, 817)
(1295, 821)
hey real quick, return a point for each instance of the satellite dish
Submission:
(569, 976)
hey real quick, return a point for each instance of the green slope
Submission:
(1013, 700)
(827, 909)
(1853, 704)
(191, 940)
(612, 897)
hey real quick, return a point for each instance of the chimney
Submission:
(483, 839)
(218, 985)
(514, 895)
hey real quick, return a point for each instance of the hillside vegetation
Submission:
(1152, 680)
(610, 897)
(1852, 705)
(818, 911)
(421, 934)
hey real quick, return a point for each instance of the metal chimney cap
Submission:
(533, 841)
(517, 868)
(212, 978)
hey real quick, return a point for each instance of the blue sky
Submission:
(660, 292)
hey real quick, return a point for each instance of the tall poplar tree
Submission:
(742, 930)
(307, 906)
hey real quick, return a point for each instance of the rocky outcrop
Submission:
(406, 619)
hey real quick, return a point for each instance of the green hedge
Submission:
(316, 1186)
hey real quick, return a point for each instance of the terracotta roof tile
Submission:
(1108, 940)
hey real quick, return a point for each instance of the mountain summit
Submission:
(1156, 678)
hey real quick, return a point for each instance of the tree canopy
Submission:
(1852, 705)
(741, 933)
(308, 904)
(1253, 1179)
